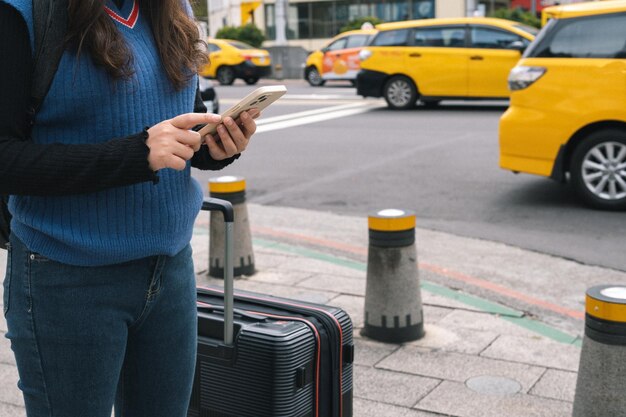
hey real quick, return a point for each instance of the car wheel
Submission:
(225, 75)
(400, 93)
(314, 78)
(251, 80)
(598, 169)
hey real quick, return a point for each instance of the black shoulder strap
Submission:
(50, 25)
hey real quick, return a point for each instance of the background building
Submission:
(310, 23)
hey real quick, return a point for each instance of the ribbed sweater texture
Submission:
(86, 106)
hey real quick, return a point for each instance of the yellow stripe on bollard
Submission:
(391, 220)
(607, 304)
(227, 184)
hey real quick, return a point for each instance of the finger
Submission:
(189, 120)
(215, 148)
(189, 138)
(236, 134)
(176, 163)
(182, 151)
(229, 146)
(248, 126)
(254, 113)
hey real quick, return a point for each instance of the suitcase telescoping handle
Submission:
(226, 208)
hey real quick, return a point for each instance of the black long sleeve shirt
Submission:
(27, 168)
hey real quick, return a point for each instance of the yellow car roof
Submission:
(503, 23)
(567, 11)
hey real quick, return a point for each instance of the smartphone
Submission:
(258, 99)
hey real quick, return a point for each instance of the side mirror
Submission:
(517, 45)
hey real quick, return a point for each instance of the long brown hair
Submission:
(181, 50)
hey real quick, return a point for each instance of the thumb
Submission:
(189, 120)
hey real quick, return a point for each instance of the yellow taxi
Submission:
(436, 59)
(339, 59)
(567, 117)
(231, 59)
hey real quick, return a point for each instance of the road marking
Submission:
(313, 116)
(308, 113)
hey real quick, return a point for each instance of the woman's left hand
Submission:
(232, 137)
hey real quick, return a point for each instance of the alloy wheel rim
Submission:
(225, 75)
(604, 170)
(399, 93)
(314, 77)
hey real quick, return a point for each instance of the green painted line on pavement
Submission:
(511, 315)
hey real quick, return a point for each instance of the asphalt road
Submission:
(334, 151)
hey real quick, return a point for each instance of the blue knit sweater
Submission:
(84, 105)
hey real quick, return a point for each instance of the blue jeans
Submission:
(87, 338)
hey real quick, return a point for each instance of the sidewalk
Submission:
(488, 351)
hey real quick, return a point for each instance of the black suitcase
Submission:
(265, 356)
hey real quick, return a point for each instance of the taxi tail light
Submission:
(522, 77)
(247, 57)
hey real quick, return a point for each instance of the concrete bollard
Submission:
(393, 304)
(232, 189)
(600, 387)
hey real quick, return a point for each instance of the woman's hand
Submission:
(171, 142)
(232, 137)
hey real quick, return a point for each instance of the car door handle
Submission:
(476, 58)
(415, 55)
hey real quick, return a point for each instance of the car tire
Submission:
(400, 93)
(314, 78)
(598, 169)
(251, 80)
(225, 75)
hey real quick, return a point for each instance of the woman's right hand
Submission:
(171, 142)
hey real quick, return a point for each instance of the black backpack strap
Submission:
(50, 26)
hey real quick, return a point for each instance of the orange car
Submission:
(339, 59)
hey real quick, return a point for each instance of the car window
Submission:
(601, 36)
(493, 38)
(214, 48)
(338, 44)
(240, 45)
(448, 37)
(356, 41)
(391, 38)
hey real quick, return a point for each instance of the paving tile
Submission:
(6, 354)
(484, 322)
(369, 352)
(441, 301)
(535, 350)
(454, 398)
(432, 314)
(345, 285)
(391, 387)
(278, 276)
(9, 393)
(9, 410)
(555, 384)
(458, 367)
(455, 339)
(354, 306)
(366, 408)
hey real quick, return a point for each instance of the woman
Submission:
(99, 294)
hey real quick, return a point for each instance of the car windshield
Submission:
(528, 29)
(240, 45)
